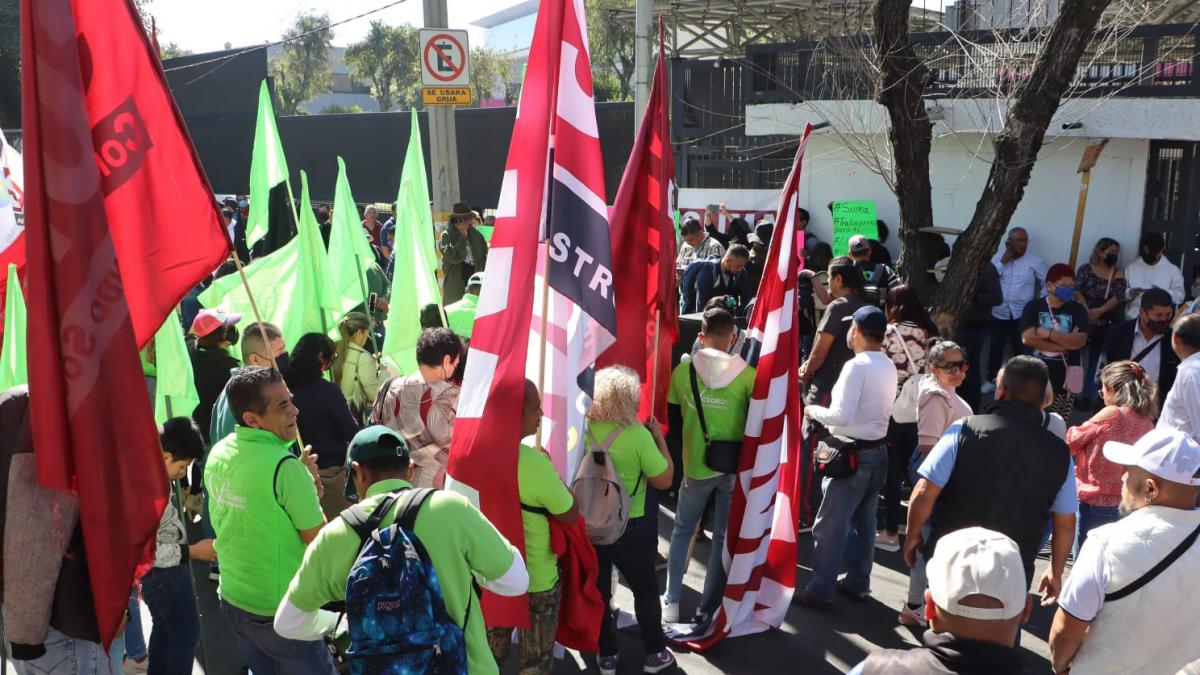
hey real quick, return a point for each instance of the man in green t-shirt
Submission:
(461, 314)
(265, 509)
(725, 383)
(543, 496)
(460, 541)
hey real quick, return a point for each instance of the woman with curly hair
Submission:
(640, 457)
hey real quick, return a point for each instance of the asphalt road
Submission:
(809, 642)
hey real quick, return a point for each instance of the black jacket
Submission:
(1007, 472)
(325, 421)
(211, 369)
(944, 654)
(987, 295)
(1119, 347)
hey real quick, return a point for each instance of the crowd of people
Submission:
(315, 475)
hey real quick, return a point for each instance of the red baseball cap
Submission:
(209, 320)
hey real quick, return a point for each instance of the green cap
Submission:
(375, 442)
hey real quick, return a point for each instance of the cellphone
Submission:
(714, 208)
(372, 301)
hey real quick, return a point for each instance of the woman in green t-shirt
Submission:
(639, 455)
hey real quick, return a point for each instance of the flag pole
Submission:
(362, 287)
(541, 383)
(262, 332)
(292, 203)
(654, 372)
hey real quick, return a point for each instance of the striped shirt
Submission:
(1021, 281)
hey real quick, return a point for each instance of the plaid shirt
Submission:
(1021, 280)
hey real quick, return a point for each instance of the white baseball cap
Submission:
(1169, 454)
(977, 561)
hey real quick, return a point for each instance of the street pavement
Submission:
(809, 641)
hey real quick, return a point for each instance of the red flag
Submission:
(120, 223)
(552, 193)
(643, 244)
(760, 540)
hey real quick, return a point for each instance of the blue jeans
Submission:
(71, 656)
(693, 498)
(169, 594)
(1005, 333)
(1091, 517)
(135, 639)
(972, 340)
(844, 534)
(266, 653)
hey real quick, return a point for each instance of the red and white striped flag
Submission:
(760, 540)
(549, 250)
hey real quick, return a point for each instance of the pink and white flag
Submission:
(760, 540)
(12, 206)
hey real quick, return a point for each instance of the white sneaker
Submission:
(912, 617)
(987, 388)
(887, 542)
(670, 612)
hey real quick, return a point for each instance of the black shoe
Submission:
(853, 595)
(803, 599)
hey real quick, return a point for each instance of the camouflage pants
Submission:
(535, 650)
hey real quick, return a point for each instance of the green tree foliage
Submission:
(303, 71)
(171, 50)
(612, 47)
(491, 74)
(337, 109)
(387, 58)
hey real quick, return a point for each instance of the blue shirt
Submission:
(938, 466)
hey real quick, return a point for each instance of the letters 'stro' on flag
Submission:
(554, 149)
(643, 257)
(120, 223)
(760, 542)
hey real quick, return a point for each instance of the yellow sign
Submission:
(446, 95)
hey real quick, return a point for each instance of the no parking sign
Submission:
(444, 58)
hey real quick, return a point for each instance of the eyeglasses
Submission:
(953, 366)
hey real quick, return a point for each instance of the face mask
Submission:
(283, 361)
(1064, 293)
(1159, 327)
(1110, 259)
(1149, 258)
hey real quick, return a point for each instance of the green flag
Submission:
(268, 166)
(290, 285)
(175, 386)
(414, 279)
(13, 370)
(349, 251)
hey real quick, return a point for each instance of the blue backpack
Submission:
(397, 618)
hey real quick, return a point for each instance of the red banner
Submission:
(120, 224)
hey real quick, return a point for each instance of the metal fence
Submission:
(1146, 61)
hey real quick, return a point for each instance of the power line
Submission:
(268, 45)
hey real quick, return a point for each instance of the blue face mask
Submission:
(1065, 293)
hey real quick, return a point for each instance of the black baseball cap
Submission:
(870, 319)
(374, 442)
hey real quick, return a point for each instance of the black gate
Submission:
(1173, 202)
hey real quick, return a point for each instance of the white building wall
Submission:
(958, 174)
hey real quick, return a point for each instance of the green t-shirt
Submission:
(260, 498)
(461, 314)
(635, 454)
(459, 540)
(724, 412)
(539, 486)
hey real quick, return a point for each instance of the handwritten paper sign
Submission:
(849, 219)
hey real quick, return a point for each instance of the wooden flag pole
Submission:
(263, 334)
(541, 383)
(292, 203)
(1091, 155)
(654, 372)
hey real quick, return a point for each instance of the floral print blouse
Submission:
(917, 341)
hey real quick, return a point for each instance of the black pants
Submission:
(633, 555)
(901, 441)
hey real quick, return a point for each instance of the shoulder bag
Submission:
(1073, 380)
(720, 456)
(904, 411)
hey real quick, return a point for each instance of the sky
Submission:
(207, 26)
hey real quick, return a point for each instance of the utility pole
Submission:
(643, 65)
(443, 143)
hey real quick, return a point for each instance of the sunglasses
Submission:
(953, 366)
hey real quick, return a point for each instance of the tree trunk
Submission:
(1016, 146)
(902, 81)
